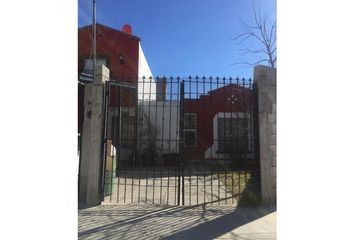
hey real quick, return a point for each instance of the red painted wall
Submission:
(206, 107)
(110, 44)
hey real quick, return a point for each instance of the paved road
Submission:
(157, 222)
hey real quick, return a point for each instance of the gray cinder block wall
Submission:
(265, 77)
(92, 139)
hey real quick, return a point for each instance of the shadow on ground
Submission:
(157, 222)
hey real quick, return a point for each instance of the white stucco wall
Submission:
(148, 85)
(164, 118)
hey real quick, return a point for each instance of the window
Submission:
(190, 129)
(126, 125)
(233, 135)
(128, 129)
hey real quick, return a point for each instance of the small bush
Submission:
(250, 196)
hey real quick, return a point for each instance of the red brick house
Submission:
(215, 124)
(218, 123)
(121, 53)
(117, 50)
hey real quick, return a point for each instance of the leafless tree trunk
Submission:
(264, 34)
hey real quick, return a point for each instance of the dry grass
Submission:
(239, 183)
(235, 181)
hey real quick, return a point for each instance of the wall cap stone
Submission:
(264, 75)
(101, 74)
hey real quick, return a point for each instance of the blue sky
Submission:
(183, 37)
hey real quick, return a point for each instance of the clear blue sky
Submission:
(183, 37)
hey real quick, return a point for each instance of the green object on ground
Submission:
(108, 183)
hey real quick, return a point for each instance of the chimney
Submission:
(161, 89)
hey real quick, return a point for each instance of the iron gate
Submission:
(179, 141)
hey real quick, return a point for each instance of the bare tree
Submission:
(264, 33)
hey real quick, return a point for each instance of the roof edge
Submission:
(112, 29)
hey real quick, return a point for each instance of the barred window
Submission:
(126, 126)
(233, 135)
(128, 129)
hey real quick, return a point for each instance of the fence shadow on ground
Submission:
(224, 224)
(157, 222)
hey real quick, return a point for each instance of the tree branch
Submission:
(262, 34)
(247, 50)
(245, 62)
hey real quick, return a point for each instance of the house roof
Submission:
(99, 25)
(233, 86)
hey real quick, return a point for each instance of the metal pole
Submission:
(94, 39)
(181, 143)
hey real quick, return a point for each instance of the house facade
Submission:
(122, 54)
(219, 124)
(142, 110)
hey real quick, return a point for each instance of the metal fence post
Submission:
(181, 144)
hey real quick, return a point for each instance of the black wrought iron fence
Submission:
(179, 141)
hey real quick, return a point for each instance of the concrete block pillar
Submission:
(265, 77)
(91, 155)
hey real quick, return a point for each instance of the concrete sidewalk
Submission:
(157, 222)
